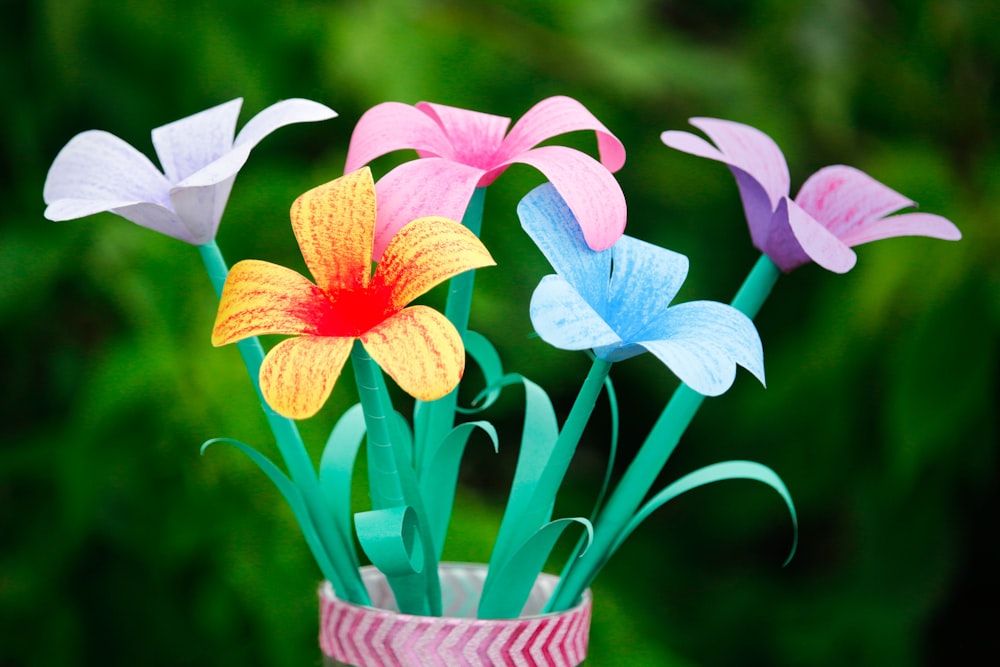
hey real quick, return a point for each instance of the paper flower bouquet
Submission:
(373, 248)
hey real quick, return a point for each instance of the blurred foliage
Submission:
(120, 545)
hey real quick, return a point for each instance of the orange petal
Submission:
(263, 298)
(335, 227)
(425, 253)
(298, 374)
(420, 349)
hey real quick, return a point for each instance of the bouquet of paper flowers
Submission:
(374, 247)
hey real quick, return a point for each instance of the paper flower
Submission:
(617, 302)
(838, 207)
(462, 150)
(335, 225)
(96, 171)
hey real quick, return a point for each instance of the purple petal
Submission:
(187, 145)
(421, 188)
(393, 126)
(547, 219)
(816, 242)
(750, 150)
(588, 188)
(96, 171)
(474, 137)
(645, 279)
(741, 146)
(756, 162)
(852, 205)
(703, 341)
(564, 319)
(558, 115)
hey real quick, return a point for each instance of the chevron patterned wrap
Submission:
(378, 636)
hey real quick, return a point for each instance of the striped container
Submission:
(378, 636)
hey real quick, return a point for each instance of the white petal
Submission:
(96, 171)
(188, 144)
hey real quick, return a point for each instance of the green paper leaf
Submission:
(538, 435)
(717, 472)
(391, 539)
(440, 479)
(294, 498)
(336, 468)
(506, 590)
(481, 350)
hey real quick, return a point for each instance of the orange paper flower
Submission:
(335, 228)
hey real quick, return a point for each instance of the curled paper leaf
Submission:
(440, 478)
(506, 589)
(717, 472)
(391, 539)
(538, 435)
(486, 357)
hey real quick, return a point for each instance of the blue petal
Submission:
(645, 278)
(563, 319)
(551, 225)
(702, 341)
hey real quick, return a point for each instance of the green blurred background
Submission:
(119, 544)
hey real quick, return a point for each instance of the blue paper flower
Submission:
(617, 303)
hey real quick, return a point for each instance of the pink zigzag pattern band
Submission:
(379, 636)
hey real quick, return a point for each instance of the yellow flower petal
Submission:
(420, 349)
(298, 374)
(335, 227)
(425, 253)
(263, 298)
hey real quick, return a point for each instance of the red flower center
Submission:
(352, 312)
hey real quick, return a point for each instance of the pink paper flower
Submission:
(838, 207)
(462, 150)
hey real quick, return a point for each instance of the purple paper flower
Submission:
(617, 303)
(96, 171)
(838, 207)
(461, 150)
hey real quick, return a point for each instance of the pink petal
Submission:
(475, 138)
(421, 188)
(587, 187)
(821, 246)
(393, 126)
(97, 171)
(847, 200)
(740, 146)
(187, 145)
(558, 115)
(907, 224)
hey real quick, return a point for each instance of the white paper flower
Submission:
(96, 171)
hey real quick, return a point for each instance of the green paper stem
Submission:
(385, 487)
(393, 494)
(533, 493)
(438, 417)
(344, 577)
(641, 474)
